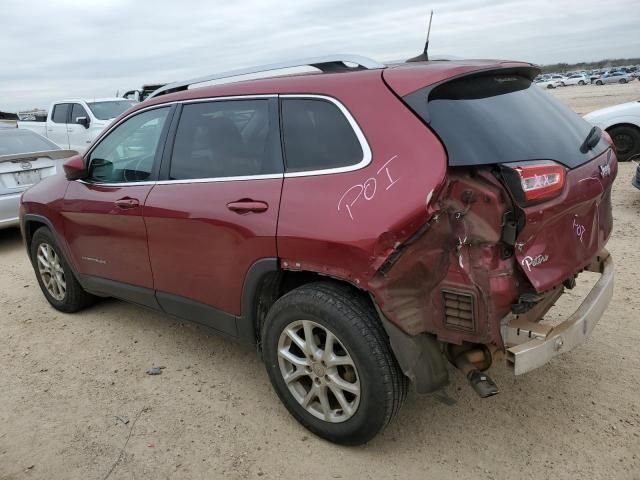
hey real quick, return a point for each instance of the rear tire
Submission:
(375, 387)
(581, 82)
(627, 141)
(622, 80)
(55, 277)
(598, 82)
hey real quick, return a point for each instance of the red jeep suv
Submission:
(363, 225)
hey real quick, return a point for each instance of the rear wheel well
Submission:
(30, 227)
(617, 125)
(278, 283)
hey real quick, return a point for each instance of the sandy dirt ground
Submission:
(75, 402)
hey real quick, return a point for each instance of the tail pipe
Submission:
(469, 363)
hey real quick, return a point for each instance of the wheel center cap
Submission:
(318, 370)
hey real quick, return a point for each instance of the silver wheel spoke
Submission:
(324, 401)
(308, 338)
(302, 345)
(335, 361)
(342, 384)
(294, 375)
(339, 394)
(291, 358)
(311, 394)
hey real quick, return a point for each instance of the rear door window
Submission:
(60, 113)
(226, 138)
(317, 136)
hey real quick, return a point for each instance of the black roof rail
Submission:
(327, 64)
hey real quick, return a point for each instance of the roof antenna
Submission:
(424, 56)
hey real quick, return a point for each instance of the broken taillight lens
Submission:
(536, 181)
(541, 181)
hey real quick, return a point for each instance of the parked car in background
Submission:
(441, 240)
(74, 124)
(622, 123)
(575, 79)
(547, 83)
(613, 77)
(141, 94)
(25, 159)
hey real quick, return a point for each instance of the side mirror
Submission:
(74, 168)
(84, 121)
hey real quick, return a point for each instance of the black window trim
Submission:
(159, 152)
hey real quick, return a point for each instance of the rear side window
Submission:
(317, 136)
(227, 138)
(500, 118)
(60, 113)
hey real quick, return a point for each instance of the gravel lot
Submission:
(65, 380)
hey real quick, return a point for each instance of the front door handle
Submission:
(127, 202)
(247, 205)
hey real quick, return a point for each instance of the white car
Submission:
(576, 79)
(550, 83)
(25, 159)
(622, 122)
(74, 124)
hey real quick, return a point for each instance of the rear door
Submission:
(57, 124)
(215, 211)
(103, 214)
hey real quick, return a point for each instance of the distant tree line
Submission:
(607, 63)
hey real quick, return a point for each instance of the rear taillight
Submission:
(541, 181)
(535, 181)
(607, 138)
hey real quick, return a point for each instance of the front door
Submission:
(78, 134)
(214, 212)
(103, 214)
(57, 125)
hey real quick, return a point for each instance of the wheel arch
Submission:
(419, 357)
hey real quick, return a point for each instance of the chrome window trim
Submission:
(366, 150)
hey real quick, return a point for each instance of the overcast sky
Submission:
(93, 48)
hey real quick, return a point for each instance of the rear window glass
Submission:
(15, 141)
(317, 136)
(494, 119)
(228, 138)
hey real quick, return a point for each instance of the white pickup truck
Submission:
(74, 124)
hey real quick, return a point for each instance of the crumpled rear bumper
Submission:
(530, 345)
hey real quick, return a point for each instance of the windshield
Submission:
(498, 118)
(110, 109)
(14, 141)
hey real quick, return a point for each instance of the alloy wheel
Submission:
(319, 371)
(51, 271)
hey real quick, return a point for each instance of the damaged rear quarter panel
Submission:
(459, 252)
(346, 224)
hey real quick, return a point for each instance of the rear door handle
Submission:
(247, 205)
(127, 202)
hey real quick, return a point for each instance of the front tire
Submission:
(330, 362)
(623, 80)
(627, 141)
(55, 277)
(581, 82)
(599, 82)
